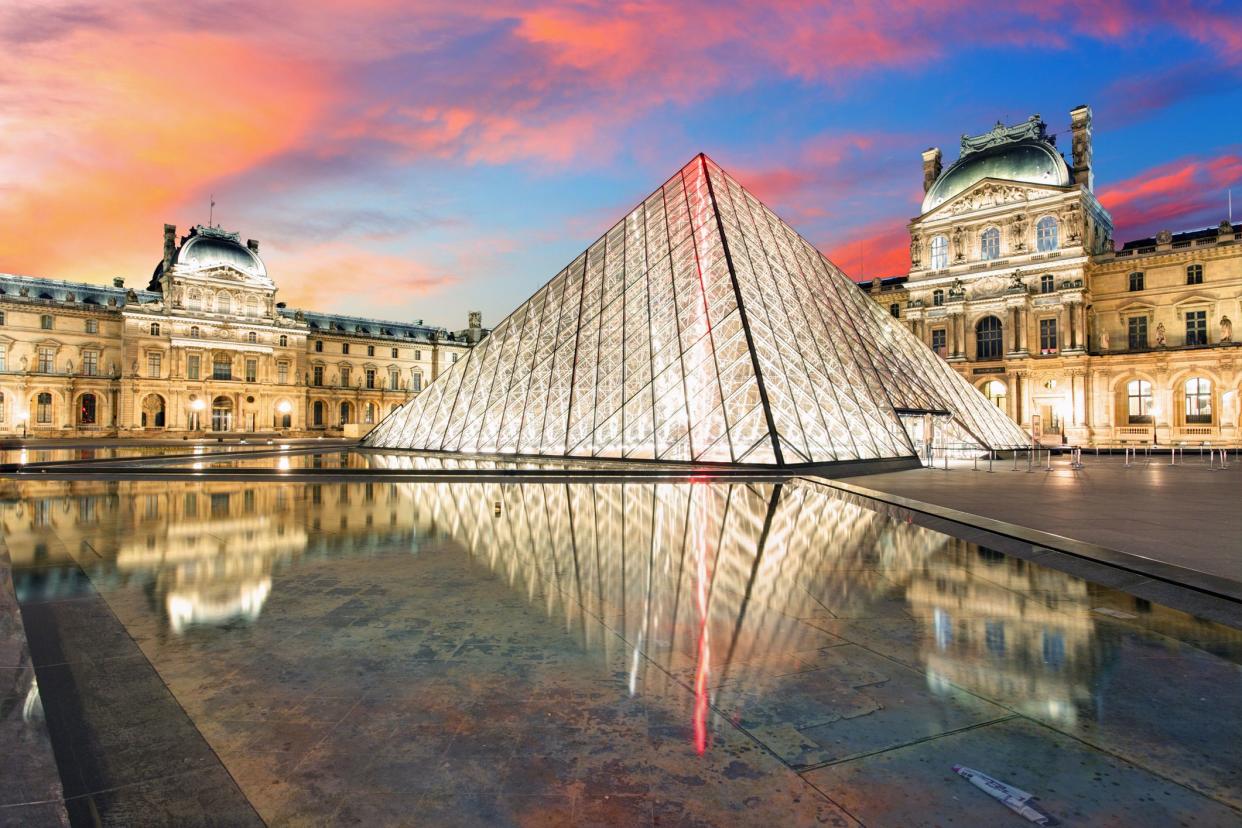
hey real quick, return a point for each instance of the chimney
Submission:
(170, 246)
(931, 167)
(1080, 125)
(253, 244)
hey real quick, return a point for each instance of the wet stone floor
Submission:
(462, 653)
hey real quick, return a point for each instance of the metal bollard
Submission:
(1030, 460)
(1049, 459)
(990, 455)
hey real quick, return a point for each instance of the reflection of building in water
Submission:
(1008, 630)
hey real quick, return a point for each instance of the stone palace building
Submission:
(205, 348)
(1015, 279)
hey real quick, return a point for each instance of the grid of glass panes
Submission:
(1048, 336)
(1196, 327)
(662, 342)
(1136, 332)
(1198, 393)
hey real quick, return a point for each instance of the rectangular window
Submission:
(418, 381)
(282, 372)
(4, 357)
(222, 367)
(154, 363)
(92, 326)
(47, 359)
(1136, 280)
(394, 378)
(319, 345)
(344, 347)
(940, 341)
(193, 366)
(345, 375)
(90, 363)
(454, 359)
(394, 353)
(370, 350)
(45, 322)
(317, 375)
(1136, 332)
(1194, 275)
(252, 370)
(1196, 327)
(370, 378)
(1048, 336)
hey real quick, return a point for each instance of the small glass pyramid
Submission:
(700, 329)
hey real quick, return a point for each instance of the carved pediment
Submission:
(988, 287)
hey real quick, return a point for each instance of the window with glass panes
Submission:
(1198, 400)
(43, 408)
(90, 363)
(345, 370)
(1048, 335)
(47, 359)
(252, 370)
(418, 380)
(45, 322)
(937, 297)
(221, 367)
(317, 375)
(894, 310)
(370, 377)
(939, 253)
(1136, 332)
(939, 340)
(989, 244)
(1136, 280)
(394, 377)
(1046, 234)
(193, 366)
(1194, 274)
(92, 326)
(4, 357)
(282, 372)
(1196, 327)
(1138, 401)
(1047, 284)
(154, 363)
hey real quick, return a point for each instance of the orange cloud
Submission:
(1174, 196)
(330, 275)
(104, 139)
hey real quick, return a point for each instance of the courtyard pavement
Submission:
(1186, 515)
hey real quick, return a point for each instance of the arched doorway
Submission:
(88, 414)
(318, 413)
(988, 338)
(221, 414)
(153, 411)
(43, 409)
(995, 391)
(347, 413)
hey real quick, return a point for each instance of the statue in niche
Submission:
(1104, 339)
(914, 250)
(959, 252)
(1019, 233)
(1160, 335)
(1226, 329)
(1015, 281)
(956, 290)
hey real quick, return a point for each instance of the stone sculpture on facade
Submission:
(1226, 329)
(1160, 335)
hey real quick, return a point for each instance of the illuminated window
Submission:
(1047, 284)
(1194, 274)
(988, 338)
(222, 367)
(994, 390)
(1136, 280)
(989, 244)
(1138, 401)
(90, 363)
(87, 405)
(47, 359)
(43, 408)
(1046, 234)
(1198, 401)
(1196, 327)
(937, 297)
(939, 253)
(368, 413)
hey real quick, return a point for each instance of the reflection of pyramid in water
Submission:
(700, 328)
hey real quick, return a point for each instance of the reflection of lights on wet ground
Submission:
(186, 609)
(283, 464)
(24, 458)
(197, 466)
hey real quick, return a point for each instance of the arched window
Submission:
(317, 413)
(937, 297)
(1198, 400)
(224, 303)
(252, 337)
(221, 414)
(1138, 401)
(43, 408)
(153, 411)
(988, 338)
(995, 391)
(939, 252)
(194, 332)
(1194, 274)
(155, 329)
(1046, 234)
(87, 405)
(989, 244)
(1047, 284)
(347, 411)
(368, 413)
(894, 310)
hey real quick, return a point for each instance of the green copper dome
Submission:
(1031, 161)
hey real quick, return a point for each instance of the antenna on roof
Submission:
(1231, 205)
(211, 211)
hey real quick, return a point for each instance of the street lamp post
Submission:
(25, 418)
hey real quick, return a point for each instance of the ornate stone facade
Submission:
(205, 349)
(1015, 279)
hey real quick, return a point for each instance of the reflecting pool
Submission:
(612, 653)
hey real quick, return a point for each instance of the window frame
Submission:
(1196, 333)
(1047, 283)
(1140, 390)
(1199, 399)
(1137, 281)
(938, 250)
(989, 340)
(1047, 235)
(1194, 274)
(1136, 325)
(989, 244)
(1049, 336)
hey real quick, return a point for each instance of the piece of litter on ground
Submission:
(1015, 799)
(1114, 613)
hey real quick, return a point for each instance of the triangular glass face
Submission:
(701, 328)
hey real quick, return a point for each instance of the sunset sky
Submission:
(414, 160)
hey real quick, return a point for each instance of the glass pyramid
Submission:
(701, 328)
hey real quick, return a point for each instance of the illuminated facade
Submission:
(205, 348)
(1016, 282)
(700, 328)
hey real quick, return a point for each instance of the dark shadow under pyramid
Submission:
(701, 328)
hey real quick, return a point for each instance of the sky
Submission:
(417, 159)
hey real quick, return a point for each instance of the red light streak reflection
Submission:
(703, 668)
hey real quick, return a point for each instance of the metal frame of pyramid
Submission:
(700, 329)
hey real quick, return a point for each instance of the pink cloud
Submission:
(1177, 195)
